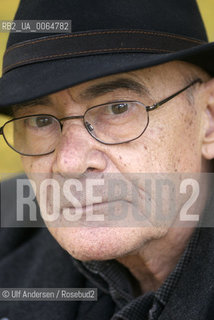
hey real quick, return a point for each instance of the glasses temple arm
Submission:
(160, 103)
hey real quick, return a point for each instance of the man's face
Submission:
(171, 143)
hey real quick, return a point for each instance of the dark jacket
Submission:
(31, 258)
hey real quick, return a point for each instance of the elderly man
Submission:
(124, 99)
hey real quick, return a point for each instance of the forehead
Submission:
(137, 81)
(140, 82)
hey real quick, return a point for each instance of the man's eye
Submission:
(39, 122)
(118, 108)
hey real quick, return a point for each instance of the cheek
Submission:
(38, 168)
(182, 138)
(170, 145)
(37, 164)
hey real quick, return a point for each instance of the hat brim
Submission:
(39, 79)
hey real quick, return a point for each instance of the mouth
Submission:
(114, 213)
(96, 207)
(105, 206)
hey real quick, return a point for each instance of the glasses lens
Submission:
(117, 122)
(34, 135)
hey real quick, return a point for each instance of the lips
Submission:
(91, 204)
(104, 201)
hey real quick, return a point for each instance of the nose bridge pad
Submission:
(74, 127)
(89, 126)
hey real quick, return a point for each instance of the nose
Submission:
(77, 152)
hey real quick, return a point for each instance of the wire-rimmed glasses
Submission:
(111, 123)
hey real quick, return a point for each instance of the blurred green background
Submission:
(9, 160)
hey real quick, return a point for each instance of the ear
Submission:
(208, 139)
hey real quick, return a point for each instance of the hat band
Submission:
(91, 43)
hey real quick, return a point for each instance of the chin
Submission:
(103, 243)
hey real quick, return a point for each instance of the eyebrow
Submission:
(93, 91)
(44, 101)
(100, 89)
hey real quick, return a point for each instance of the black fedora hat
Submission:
(107, 37)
